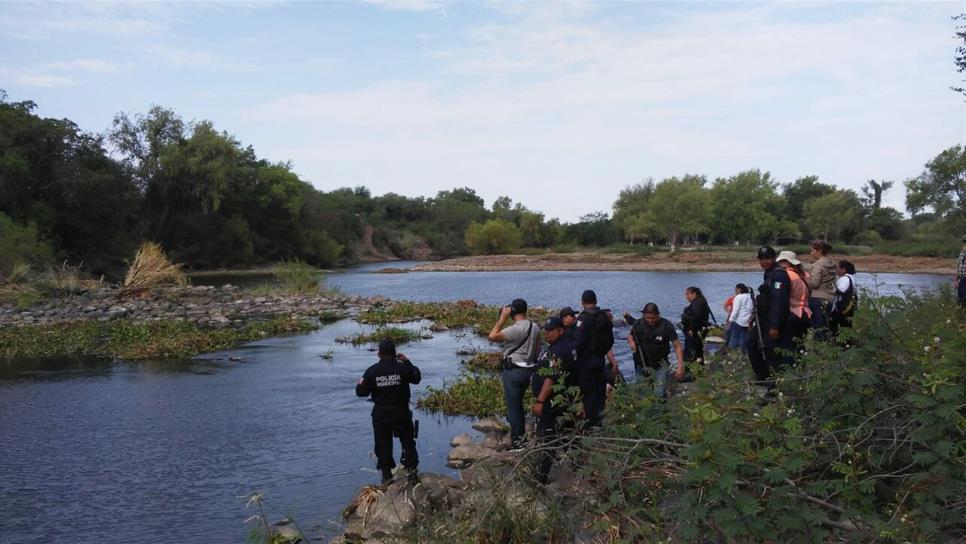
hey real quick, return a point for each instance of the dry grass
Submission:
(151, 267)
(363, 502)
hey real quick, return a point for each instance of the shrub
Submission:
(493, 237)
(922, 247)
(298, 277)
(22, 248)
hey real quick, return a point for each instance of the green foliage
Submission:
(680, 207)
(921, 247)
(627, 249)
(484, 361)
(493, 237)
(746, 208)
(470, 394)
(398, 335)
(134, 341)
(22, 247)
(298, 277)
(941, 188)
(450, 314)
(833, 216)
(594, 229)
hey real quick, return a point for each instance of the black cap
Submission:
(766, 252)
(553, 323)
(387, 347)
(565, 311)
(518, 306)
(588, 297)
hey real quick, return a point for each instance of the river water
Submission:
(108, 451)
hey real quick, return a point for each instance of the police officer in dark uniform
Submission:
(593, 338)
(771, 319)
(388, 383)
(555, 363)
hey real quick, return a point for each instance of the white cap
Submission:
(789, 256)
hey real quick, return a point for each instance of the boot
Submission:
(386, 475)
(412, 476)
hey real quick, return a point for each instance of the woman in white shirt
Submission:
(846, 299)
(740, 317)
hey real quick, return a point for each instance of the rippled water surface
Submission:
(165, 452)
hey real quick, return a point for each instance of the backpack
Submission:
(601, 337)
(848, 302)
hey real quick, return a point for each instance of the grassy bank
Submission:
(446, 314)
(136, 341)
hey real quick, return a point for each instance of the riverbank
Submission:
(680, 261)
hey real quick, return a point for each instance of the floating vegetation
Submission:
(330, 317)
(488, 361)
(464, 313)
(167, 339)
(398, 335)
(470, 394)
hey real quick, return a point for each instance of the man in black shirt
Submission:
(388, 383)
(593, 338)
(555, 363)
(650, 341)
(771, 319)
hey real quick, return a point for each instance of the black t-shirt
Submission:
(695, 315)
(556, 360)
(388, 382)
(655, 342)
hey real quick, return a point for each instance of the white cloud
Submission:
(28, 79)
(96, 66)
(408, 5)
(197, 58)
(574, 97)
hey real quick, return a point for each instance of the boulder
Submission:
(463, 456)
(461, 440)
(284, 530)
(392, 513)
(497, 441)
(491, 425)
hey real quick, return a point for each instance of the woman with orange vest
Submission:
(799, 313)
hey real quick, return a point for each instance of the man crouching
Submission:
(388, 383)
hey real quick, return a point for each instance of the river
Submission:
(109, 451)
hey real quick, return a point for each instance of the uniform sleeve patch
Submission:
(777, 285)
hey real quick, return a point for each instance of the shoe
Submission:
(413, 477)
(386, 475)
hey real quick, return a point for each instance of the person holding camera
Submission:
(521, 344)
(388, 383)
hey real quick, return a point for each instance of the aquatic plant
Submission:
(328, 316)
(398, 335)
(484, 361)
(464, 313)
(132, 341)
(470, 394)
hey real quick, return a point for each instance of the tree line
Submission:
(210, 201)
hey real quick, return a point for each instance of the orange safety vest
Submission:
(798, 297)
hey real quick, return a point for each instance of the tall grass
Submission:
(151, 268)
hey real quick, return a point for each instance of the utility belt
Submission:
(507, 364)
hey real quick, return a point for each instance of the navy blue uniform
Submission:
(556, 361)
(694, 321)
(593, 338)
(772, 313)
(388, 383)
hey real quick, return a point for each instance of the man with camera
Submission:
(521, 344)
(388, 382)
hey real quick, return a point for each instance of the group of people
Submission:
(575, 350)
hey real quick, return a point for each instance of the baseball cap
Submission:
(766, 252)
(518, 306)
(553, 322)
(387, 347)
(565, 311)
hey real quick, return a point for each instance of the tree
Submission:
(679, 207)
(493, 237)
(630, 207)
(872, 193)
(941, 187)
(834, 216)
(745, 207)
(960, 59)
(594, 229)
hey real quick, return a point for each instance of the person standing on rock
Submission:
(593, 338)
(555, 363)
(388, 383)
(769, 346)
(822, 282)
(521, 342)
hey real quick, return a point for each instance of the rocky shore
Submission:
(490, 478)
(203, 305)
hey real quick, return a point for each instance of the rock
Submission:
(438, 327)
(285, 530)
(437, 491)
(236, 359)
(426, 336)
(218, 318)
(463, 456)
(491, 425)
(714, 340)
(392, 513)
(496, 442)
(461, 440)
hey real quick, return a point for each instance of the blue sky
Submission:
(558, 105)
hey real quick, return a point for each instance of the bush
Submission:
(151, 268)
(643, 250)
(494, 237)
(868, 238)
(22, 247)
(924, 247)
(298, 277)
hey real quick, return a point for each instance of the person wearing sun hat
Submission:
(799, 313)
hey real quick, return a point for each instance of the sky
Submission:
(558, 105)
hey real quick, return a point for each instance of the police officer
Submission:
(593, 338)
(650, 340)
(771, 319)
(569, 319)
(555, 363)
(388, 383)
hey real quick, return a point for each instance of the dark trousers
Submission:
(386, 422)
(694, 347)
(548, 435)
(776, 353)
(961, 291)
(593, 388)
(820, 315)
